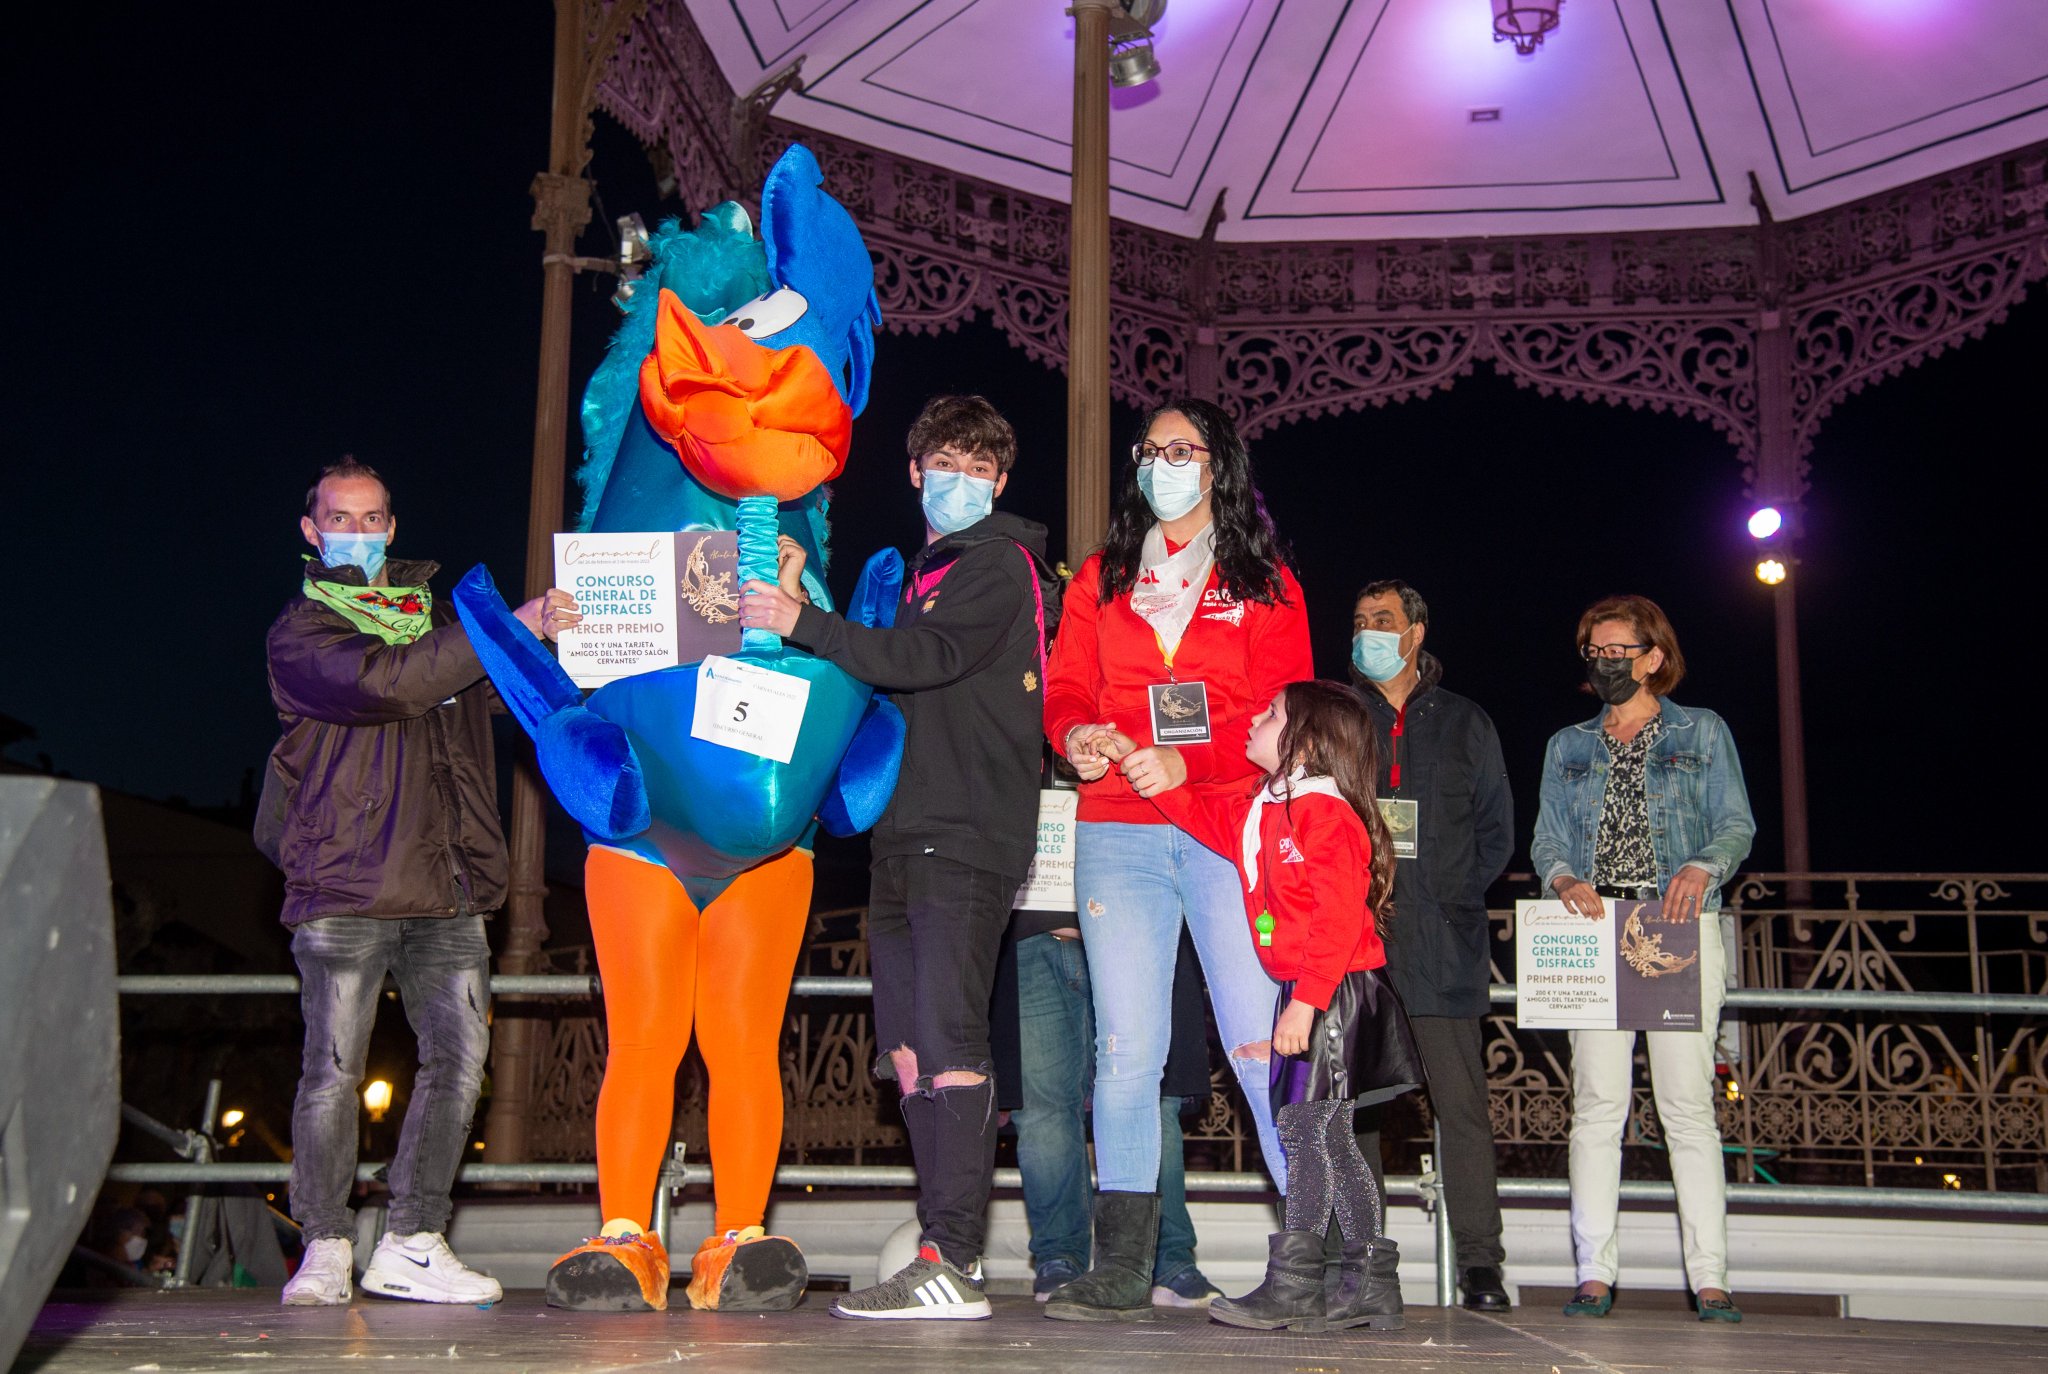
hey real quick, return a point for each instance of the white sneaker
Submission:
(422, 1268)
(326, 1275)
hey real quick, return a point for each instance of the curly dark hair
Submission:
(1249, 551)
(967, 423)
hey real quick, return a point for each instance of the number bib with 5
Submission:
(750, 708)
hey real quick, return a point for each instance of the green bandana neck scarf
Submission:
(396, 615)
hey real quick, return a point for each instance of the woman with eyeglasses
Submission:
(1177, 633)
(1645, 801)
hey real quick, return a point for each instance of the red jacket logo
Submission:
(1221, 605)
(1289, 854)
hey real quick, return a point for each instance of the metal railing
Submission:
(1501, 994)
(201, 1167)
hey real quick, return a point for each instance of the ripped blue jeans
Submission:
(442, 967)
(1135, 885)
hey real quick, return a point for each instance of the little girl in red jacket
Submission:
(1316, 862)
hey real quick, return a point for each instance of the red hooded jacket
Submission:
(1106, 656)
(1314, 875)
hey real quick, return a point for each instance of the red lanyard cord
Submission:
(1400, 728)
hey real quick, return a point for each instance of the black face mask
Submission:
(1612, 679)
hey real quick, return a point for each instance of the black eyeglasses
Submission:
(1177, 454)
(1589, 652)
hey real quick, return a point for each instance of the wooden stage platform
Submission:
(214, 1329)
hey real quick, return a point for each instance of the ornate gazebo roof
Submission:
(1397, 119)
(1912, 236)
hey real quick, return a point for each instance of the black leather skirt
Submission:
(1360, 1050)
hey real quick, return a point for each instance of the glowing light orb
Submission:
(1765, 522)
(1770, 571)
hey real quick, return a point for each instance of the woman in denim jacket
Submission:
(1645, 799)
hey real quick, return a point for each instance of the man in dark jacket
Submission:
(1445, 791)
(966, 658)
(383, 815)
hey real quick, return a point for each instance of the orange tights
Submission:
(667, 967)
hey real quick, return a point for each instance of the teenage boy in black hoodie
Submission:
(966, 662)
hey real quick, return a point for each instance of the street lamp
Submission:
(377, 1097)
(1765, 524)
(231, 1118)
(1773, 526)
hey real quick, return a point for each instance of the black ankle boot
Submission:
(1291, 1296)
(1369, 1289)
(1119, 1287)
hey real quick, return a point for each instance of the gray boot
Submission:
(1291, 1296)
(1368, 1288)
(1119, 1287)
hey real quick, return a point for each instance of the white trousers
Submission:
(1682, 1081)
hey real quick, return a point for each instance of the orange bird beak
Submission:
(746, 420)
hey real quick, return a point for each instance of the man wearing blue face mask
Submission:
(380, 806)
(1444, 790)
(965, 659)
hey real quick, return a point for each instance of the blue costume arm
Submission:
(588, 761)
(867, 775)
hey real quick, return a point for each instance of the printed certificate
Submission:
(1049, 883)
(649, 601)
(1628, 970)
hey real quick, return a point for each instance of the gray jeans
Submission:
(442, 965)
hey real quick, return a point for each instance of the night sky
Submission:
(257, 239)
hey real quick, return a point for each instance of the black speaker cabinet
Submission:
(60, 1074)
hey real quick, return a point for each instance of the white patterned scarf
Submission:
(1168, 591)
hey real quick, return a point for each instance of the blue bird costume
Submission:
(725, 402)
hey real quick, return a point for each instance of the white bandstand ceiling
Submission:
(1352, 119)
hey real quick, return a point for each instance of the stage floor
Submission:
(214, 1329)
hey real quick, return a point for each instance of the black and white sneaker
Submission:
(926, 1289)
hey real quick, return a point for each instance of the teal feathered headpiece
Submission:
(713, 269)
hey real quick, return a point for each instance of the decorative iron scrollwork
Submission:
(1842, 344)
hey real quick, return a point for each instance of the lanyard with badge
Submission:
(1400, 813)
(1180, 710)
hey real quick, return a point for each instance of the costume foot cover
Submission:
(747, 1271)
(622, 1273)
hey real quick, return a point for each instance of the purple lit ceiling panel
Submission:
(1349, 119)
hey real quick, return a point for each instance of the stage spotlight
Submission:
(1131, 59)
(1765, 522)
(1770, 571)
(377, 1097)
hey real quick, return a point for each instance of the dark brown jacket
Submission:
(384, 795)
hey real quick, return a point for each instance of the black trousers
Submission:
(1451, 1049)
(935, 930)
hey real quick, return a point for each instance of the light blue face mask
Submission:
(1171, 491)
(365, 551)
(954, 500)
(1377, 654)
